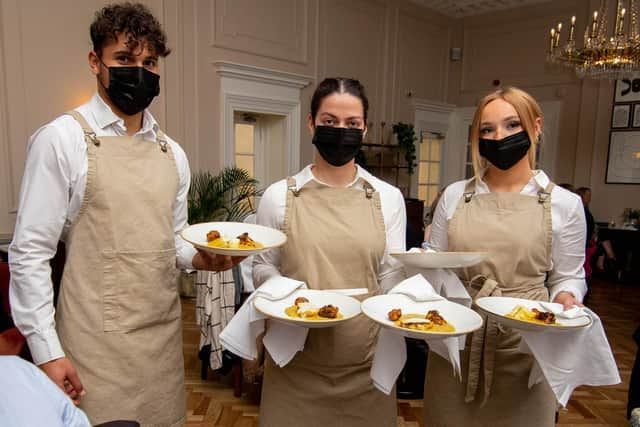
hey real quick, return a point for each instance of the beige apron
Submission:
(335, 240)
(118, 315)
(516, 230)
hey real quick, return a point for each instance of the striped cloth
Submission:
(215, 305)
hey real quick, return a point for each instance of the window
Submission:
(245, 130)
(429, 162)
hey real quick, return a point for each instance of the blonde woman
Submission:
(535, 232)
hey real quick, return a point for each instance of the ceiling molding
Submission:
(462, 8)
(263, 75)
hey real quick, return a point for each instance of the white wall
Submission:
(392, 46)
(397, 49)
(510, 46)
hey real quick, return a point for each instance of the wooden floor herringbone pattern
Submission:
(211, 402)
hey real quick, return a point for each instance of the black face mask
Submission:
(132, 89)
(506, 152)
(337, 146)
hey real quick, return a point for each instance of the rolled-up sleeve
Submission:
(270, 213)
(392, 271)
(568, 252)
(44, 201)
(184, 250)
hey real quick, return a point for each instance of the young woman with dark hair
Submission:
(341, 223)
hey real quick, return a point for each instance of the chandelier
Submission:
(606, 53)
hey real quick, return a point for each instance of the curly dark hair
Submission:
(133, 19)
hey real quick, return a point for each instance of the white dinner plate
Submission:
(196, 234)
(440, 259)
(462, 318)
(498, 307)
(348, 306)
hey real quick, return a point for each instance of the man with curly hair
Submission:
(105, 179)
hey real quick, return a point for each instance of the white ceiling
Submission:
(460, 8)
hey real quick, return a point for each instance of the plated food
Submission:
(440, 259)
(303, 309)
(534, 315)
(243, 241)
(528, 315)
(233, 238)
(432, 321)
(310, 308)
(421, 319)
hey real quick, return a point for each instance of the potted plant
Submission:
(406, 136)
(227, 196)
(631, 216)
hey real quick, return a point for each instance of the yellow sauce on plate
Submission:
(424, 327)
(524, 314)
(293, 312)
(229, 244)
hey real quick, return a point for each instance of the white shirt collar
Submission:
(104, 117)
(306, 175)
(539, 181)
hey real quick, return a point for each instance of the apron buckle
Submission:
(93, 138)
(467, 197)
(368, 191)
(294, 190)
(543, 196)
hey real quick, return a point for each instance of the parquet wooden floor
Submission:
(211, 402)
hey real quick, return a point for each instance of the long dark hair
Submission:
(333, 85)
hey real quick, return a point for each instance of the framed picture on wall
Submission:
(620, 116)
(635, 116)
(623, 160)
(627, 90)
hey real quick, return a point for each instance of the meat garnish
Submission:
(300, 300)
(435, 317)
(213, 235)
(545, 316)
(328, 311)
(395, 314)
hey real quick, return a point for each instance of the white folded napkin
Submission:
(390, 352)
(560, 312)
(571, 359)
(388, 360)
(352, 292)
(282, 341)
(446, 283)
(417, 288)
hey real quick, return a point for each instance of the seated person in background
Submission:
(568, 186)
(29, 398)
(600, 250)
(585, 195)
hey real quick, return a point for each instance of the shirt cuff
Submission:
(577, 287)
(45, 346)
(185, 257)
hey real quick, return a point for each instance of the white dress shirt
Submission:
(568, 231)
(52, 191)
(272, 209)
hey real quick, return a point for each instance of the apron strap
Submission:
(368, 188)
(544, 198)
(89, 135)
(292, 186)
(161, 138)
(483, 343)
(545, 195)
(469, 190)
